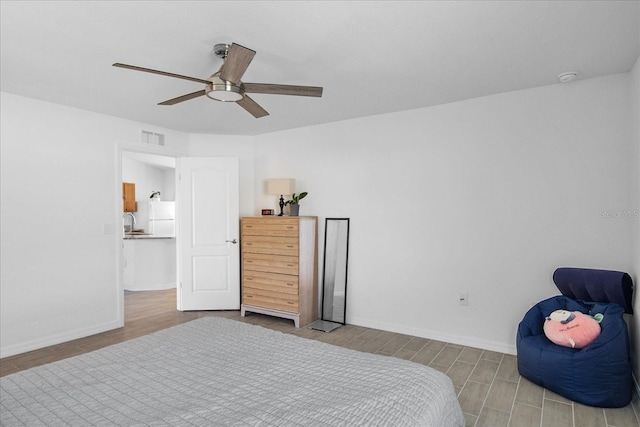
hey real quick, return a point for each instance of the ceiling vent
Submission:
(152, 138)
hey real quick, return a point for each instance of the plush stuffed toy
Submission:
(572, 329)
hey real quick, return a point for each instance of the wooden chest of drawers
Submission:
(280, 267)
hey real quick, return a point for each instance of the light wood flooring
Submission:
(490, 390)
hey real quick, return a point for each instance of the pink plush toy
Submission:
(572, 329)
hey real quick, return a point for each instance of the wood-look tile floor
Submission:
(489, 388)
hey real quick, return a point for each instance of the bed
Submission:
(216, 371)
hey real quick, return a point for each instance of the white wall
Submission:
(635, 203)
(486, 197)
(60, 190)
(149, 178)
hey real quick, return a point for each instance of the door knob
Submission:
(234, 241)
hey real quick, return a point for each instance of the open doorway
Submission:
(149, 245)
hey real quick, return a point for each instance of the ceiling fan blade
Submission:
(282, 89)
(162, 73)
(183, 98)
(252, 107)
(236, 63)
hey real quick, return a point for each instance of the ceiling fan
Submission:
(226, 86)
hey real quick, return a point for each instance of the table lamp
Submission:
(281, 186)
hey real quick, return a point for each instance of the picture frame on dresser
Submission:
(279, 273)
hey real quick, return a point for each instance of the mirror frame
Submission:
(324, 270)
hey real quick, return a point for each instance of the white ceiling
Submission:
(370, 57)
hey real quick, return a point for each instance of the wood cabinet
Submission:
(129, 197)
(280, 267)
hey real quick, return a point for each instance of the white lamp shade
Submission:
(281, 186)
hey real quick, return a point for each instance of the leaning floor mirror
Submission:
(334, 280)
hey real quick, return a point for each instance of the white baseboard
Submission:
(435, 335)
(24, 347)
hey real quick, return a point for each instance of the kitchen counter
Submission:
(141, 236)
(149, 262)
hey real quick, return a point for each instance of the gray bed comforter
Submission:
(220, 372)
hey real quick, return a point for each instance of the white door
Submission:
(207, 241)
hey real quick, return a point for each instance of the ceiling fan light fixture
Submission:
(226, 84)
(225, 92)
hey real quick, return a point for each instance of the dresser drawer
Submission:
(270, 245)
(269, 299)
(270, 263)
(281, 283)
(270, 227)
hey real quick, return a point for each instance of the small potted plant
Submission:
(294, 203)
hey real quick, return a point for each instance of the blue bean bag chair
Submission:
(599, 374)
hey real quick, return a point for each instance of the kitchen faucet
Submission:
(133, 220)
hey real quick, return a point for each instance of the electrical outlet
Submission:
(108, 229)
(464, 299)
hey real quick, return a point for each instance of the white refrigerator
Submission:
(157, 218)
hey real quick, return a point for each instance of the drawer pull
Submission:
(290, 246)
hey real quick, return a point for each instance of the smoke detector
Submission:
(567, 77)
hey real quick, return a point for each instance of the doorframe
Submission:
(120, 148)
